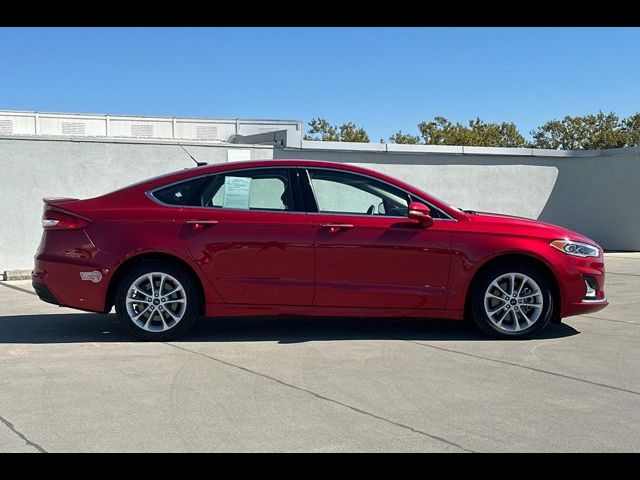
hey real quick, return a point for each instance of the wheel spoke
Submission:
(491, 295)
(177, 300)
(141, 313)
(492, 312)
(531, 295)
(164, 324)
(512, 283)
(162, 279)
(148, 322)
(504, 315)
(153, 287)
(526, 319)
(524, 281)
(495, 284)
(137, 300)
(532, 305)
(138, 291)
(176, 319)
(514, 318)
(175, 290)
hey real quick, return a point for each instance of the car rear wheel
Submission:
(512, 301)
(157, 301)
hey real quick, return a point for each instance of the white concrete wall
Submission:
(596, 193)
(34, 168)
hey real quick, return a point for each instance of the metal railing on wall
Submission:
(120, 126)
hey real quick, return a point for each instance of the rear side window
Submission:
(260, 189)
(185, 193)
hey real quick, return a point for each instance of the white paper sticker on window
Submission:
(236, 192)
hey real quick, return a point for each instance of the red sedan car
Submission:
(304, 238)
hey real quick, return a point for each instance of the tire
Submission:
(153, 318)
(532, 308)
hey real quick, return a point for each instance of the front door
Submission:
(368, 253)
(250, 234)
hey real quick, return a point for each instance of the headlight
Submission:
(577, 249)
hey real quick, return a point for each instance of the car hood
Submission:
(510, 224)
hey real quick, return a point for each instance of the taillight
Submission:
(55, 220)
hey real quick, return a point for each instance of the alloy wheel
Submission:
(513, 302)
(156, 302)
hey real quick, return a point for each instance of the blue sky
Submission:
(383, 79)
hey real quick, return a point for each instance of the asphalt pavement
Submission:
(76, 382)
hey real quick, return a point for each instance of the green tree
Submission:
(349, 132)
(588, 132)
(321, 129)
(632, 127)
(441, 131)
(405, 138)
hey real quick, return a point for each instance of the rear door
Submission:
(368, 253)
(249, 232)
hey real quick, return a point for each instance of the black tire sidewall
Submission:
(190, 315)
(477, 299)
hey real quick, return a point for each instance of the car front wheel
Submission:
(157, 301)
(512, 300)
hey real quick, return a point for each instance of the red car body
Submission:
(280, 263)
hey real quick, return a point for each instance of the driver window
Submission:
(340, 192)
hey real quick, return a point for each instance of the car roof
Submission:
(222, 167)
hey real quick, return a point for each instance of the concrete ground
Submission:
(75, 382)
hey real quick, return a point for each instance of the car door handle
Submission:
(200, 224)
(335, 227)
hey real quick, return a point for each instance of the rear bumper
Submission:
(43, 291)
(66, 284)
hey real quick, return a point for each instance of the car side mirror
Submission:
(419, 211)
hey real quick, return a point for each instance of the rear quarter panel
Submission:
(121, 234)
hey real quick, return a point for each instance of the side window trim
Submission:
(441, 215)
(305, 199)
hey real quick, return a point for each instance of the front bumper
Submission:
(572, 274)
(583, 307)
